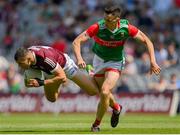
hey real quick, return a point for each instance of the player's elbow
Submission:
(63, 79)
(51, 99)
(75, 43)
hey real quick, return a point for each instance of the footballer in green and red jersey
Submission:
(110, 35)
(109, 45)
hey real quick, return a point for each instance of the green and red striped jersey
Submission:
(109, 45)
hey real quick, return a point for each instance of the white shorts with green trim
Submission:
(100, 67)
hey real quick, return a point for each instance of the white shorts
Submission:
(70, 67)
(100, 66)
(70, 70)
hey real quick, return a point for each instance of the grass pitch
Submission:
(77, 123)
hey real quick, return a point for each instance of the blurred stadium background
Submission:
(58, 22)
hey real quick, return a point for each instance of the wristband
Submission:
(41, 82)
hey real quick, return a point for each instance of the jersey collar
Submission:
(117, 27)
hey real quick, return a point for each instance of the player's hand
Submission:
(155, 69)
(81, 63)
(32, 83)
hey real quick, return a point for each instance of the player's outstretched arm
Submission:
(83, 37)
(60, 76)
(143, 38)
(36, 82)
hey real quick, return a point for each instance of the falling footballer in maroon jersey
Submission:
(56, 68)
(47, 58)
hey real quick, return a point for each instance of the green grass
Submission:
(81, 123)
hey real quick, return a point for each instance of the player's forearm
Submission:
(149, 46)
(83, 37)
(55, 79)
(150, 50)
(77, 49)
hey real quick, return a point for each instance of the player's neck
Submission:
(111, 26)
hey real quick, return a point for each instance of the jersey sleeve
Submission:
(50, 64)
(92, 30)
(132, 30)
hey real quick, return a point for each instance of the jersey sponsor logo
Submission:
(108, 43)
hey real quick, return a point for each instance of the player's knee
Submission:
(92, 93)
(105, 93)
(51, 99)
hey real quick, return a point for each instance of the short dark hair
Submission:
(113, 9)
(20, 53)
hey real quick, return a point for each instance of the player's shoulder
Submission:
(40, 48)
(124, 23)
(101, 24)
(38, 51)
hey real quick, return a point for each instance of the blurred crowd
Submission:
(58, 22)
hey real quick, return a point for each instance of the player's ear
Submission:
(29, 56)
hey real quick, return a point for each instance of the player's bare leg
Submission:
(92, 85)
(106, 97)
(86, 82)
(99, 81)
(51, 91)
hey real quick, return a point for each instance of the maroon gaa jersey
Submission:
(47, 58)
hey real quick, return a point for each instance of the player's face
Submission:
(110, 19)
(24, 63)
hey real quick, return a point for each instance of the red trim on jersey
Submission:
(132, 30)
(108, 43)
(118, 24)
(93, 30)
(99, 75)
(112, 69)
